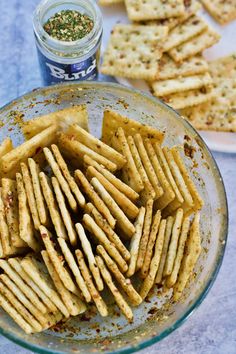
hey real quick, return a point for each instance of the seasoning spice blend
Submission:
(68, 38)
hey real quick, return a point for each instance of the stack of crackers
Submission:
(81, 216)
(164, 46)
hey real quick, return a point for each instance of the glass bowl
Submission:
(154, 319)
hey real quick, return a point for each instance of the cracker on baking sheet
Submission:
(110, 233)
(195, 45)
(167, 87)
(154, 265)
(129, 208)
(169, 69)
(189, 98)
(64, 117)
(222, 11)
(122, 220)
(42, 278)
(74, 305)
(223, 68)
(52, 206)
(122, 304)
(5, 147)
(130, 172)
(15, 264)
(10, 201)
(5, 304)
(63, 166)
(197, 199)
(117, 183)
(139, 10)
(97, 145)
(145, 233)
(113, 120)
(125, 283)
(66, 216)
(23, 299)
(135, 242)
(172, 278)
(27, 290)
(99, 235)
(148, 191)
(30, 194)
(86, 246)
(10, 163)
(168, 195)
(168, 231)
(185, 31)
(74, 151)
(133, 51)
(57, 259)
(151, 242)
(191, 253)
(173, 246)
(26, 228)
(21, 308)
(95, 295)
(94, 197)
(62, 181)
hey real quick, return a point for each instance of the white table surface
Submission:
(212, 328)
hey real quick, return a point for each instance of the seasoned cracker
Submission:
(74, 150)
(122, 304)
(52, 206)
(100, 235)
(121, 186)
(154, 265)
(98, 300)
(192, 252)
(168, 195)
(129, 208)
(62, 118)
(222, 11)
(74, 268)
(173, 246)
(133, 51)
(135, 241)
(130, 171)
(113, 120)
(223, 68)
(172, 278)
(64, 212)
(195, 45)
(26, 228)
(185, 31)
(97, 145)
(94, 197)
(110, 233)
(63, 166)
(121, 219)
(62, 181)
(40, 203)
(86, 245)
(167, 87)
(11, 211)
(4, 230)
(57, 260)
(169, 69)
(145, 234)
(139, 10)
(151, 242)
(125, 283)
(5, 147)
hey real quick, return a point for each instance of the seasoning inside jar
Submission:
(68, 25)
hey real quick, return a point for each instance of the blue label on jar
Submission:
(53, 72)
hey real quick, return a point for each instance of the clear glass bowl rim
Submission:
(209, 284)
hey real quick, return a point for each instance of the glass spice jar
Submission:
(66, 61)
